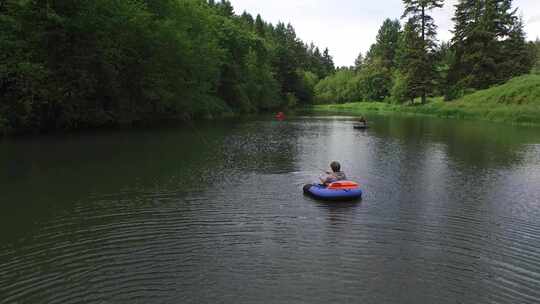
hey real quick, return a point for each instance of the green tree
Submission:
(422, 23)
(72, 64)
(444, 58)
(387, 43)
(413, 64)
(375, 81)
(400, 88)
(518, 54)
(248, 19)
(536, 68)
(359, 62)
(225, 8)
(259, 26)
(317, 62)
(328, 62)
(380, 62)
(338, 88)
(489, 45)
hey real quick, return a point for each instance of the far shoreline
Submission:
(516, 102)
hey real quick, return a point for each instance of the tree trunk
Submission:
(424, 26)
(424, 48)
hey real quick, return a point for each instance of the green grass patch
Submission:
(515, 102)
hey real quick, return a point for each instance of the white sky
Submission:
(347, 27)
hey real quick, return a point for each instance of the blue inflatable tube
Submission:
(323, 193)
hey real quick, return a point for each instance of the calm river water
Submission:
(214, 213)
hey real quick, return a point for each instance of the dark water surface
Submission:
(215, 214)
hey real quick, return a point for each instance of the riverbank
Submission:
(515, 102)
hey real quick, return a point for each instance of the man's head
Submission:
(335, 166)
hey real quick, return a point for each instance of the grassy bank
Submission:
(516, 102)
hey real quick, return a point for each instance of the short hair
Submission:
(335, 166)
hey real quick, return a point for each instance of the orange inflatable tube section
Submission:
(343, 185)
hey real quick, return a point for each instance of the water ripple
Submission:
(435, 225)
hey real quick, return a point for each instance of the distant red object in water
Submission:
(280, 115)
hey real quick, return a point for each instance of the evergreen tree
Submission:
(387, 43)
(417, 11)
(328, 62)
(225, 7)
(317, 53)
(489, 45)
(380, 62)
(518, 55)
(420, 21)
(247, 18)
(370, 54)
(291, 59)
(412, 65)
(444, 59)
(259, 26)
(359, 62)
(536, 46)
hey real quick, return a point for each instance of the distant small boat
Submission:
(361, 127)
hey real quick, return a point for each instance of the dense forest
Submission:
(406, 62)
(84, 63)
(74, 64)
(536, 68)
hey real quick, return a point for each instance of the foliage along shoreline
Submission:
(68, 65)
(72, 64)
(406, 62)
(515, 102)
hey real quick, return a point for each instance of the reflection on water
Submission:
(215, 213)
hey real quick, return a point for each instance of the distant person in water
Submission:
(362, 121)
(334, 176)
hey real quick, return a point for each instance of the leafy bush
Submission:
(399, 91)
(341, 87)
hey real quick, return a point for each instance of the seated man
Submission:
(362, 121)
(334, 176)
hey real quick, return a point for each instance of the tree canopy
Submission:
(489, 43)
(74, 64)
(78, 63)
(488, 48)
